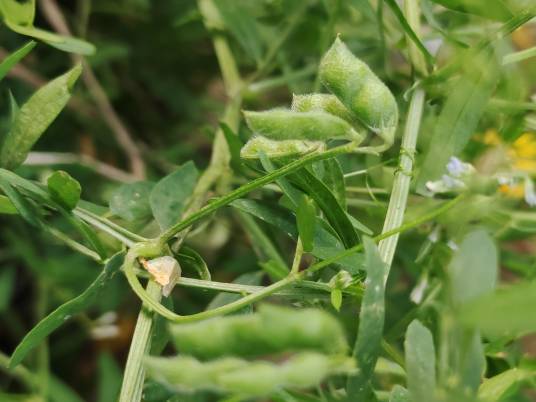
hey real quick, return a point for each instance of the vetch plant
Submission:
(271, 271)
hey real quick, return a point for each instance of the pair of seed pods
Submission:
(359, 101)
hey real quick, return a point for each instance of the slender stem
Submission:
(134, 372)
(276, 287)
(399, 195)
(261, 181)
(74, 244)
(132, 387)
(297, 257)
(110, 224)
(104, 227)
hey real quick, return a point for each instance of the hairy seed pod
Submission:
(243, 377)
(257, 378)
(360, 90)
(322, 103)
(278, 149)
(272, 330)
(303, 329)
(221, 336)
(188, 374)
(284, 124)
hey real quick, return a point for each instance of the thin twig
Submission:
(123, 137)
(68, 158)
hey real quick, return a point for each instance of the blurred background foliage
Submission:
(157, 64)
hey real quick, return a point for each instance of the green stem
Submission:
(399, 195)
(276, 287)
(261, 181)
(134, 372)
(132, 387)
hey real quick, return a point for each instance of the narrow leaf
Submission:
(170, 195)
(6, 206)
(65, 43)
(420, 363)
(495, 388)
(35, 116)
(334, 179)
(24, 207)
(371, 322)
(306, 218)
(327, 202)
(8, 63)
(59, 316)
(189, 257)
(64, 189)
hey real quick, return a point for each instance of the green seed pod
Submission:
(306, 370)
(221, 336)
(304, 329)
(284, 124)
(272, 330)
(360, 90)
(278, 149)
(258, 378)
(322, 103)
(188, 373)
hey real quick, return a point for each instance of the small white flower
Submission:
(530, 194)
(457, 168)
(452, 245)
(417, 293)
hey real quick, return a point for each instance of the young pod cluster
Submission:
(271, 330)
(246, 378)
(360, 90)
(358, 100)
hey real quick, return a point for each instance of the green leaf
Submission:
(15, 57)
(237, 18)
(24, 207)
(409, 31)
(294, 195)
(110, 378)
(131, 201)
(170, 195)
(336, 299)
(495, 388)
(7, 286)
(399, 394)
(35, 116)
(64, 189)
(474, 268)
(506, 312)
(18, 12)
(326, 244)
(334, 179)
(6, 206)
(189, 257)
(306, 219)
(235, 145)
(371, 322)
(420, 363)
(59, 316)
(497, 10)
(458, 120)
(65, 43)
(329, 205)
(13, 110)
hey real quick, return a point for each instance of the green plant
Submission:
(323, 192)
